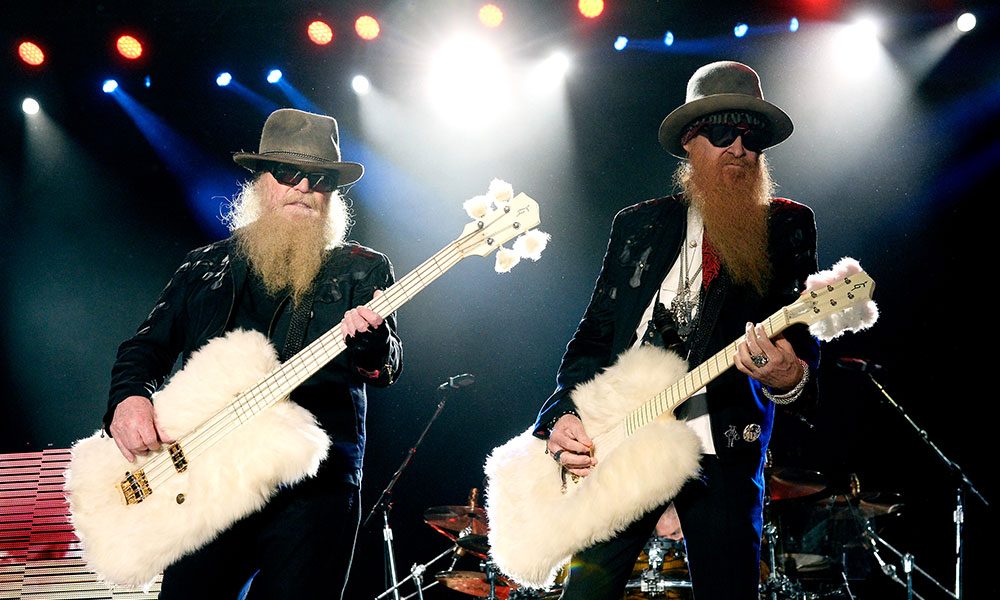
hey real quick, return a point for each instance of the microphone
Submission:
(458, 381)
(858, 364)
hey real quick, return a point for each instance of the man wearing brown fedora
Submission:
(287, 272)
(693, 272)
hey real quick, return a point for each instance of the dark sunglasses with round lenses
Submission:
(290, 175)
(722, 135)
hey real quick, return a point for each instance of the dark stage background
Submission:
(100, 204)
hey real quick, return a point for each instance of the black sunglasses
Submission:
(722, 135)
(290, 175)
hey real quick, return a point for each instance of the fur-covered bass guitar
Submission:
(237, 437)
(538, 517)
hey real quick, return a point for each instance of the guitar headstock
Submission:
(836, 301)
(499, 217)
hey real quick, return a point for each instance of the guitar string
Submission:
(220, 423)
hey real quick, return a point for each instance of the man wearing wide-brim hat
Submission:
(693, 272)
(288, 275)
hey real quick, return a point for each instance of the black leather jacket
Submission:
(645, 242)
(198, 303)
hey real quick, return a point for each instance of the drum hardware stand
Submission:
(416, 574)
(384, 503)
(491, 577)
(958, 516)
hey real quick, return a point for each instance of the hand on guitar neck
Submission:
(779, 369)
(570, 445)
(134, 427)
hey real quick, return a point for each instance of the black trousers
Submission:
(721, 518)
(299, 545)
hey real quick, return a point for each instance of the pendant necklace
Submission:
(683, 305)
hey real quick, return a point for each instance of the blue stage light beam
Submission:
(208, 184)
(297, 98)
(223, 79)
(261, 103)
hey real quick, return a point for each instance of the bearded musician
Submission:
(693, 272)
(287, 272)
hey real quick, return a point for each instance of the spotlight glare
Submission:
(274, 76)
(129, 47)
(361, 85)
(30, 106)
(490, 15)
(148, 82)
(668, 38)
(468, 82)
(741, 29)
(31, 53)
(793, 25)
(591, 8)
(320, 33)
(224, 79)
(965, 22)
(109, 86)
(367, 27)
(857, 48)
(620, 43)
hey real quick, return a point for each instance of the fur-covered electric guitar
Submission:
(538, 518)
(238, 438)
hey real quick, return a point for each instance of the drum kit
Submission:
(812, 540)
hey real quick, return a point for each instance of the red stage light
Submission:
(129, 47)
(320, 33)
(31, 53)
(591, 8)
(490, 15)
(367, 27)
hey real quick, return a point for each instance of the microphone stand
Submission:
(963, 484)
(384, 503)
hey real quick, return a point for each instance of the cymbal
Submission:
(453, 520)
(474, 583)
(809, 562)
(789, 483)
(475, 543)
(867, 504)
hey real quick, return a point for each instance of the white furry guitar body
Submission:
(131, 543)
(538, 517)
(238, 439)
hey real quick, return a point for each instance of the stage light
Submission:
(361, 85)
(793, 25)
(148, 82)
(966, 22)
(30, 106)
(591, 8)
(109, 86)
(223, 79)
(367, 27)
(490, 15)
(467, 82)
(274, 76)
(129, 47)
(668, 38)
(857, 48)
(620, 43)
(741, 29)
(550, 72)
(320, 33)
(31, 53)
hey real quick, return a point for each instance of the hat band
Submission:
(288, 153)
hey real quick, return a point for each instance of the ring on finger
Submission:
(759, 360)
(557, 454)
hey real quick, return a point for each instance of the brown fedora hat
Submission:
(722, 86)
(302, 139)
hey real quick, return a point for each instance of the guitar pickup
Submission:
(177, 455)
(135, 487)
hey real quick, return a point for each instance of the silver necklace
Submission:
(683, 305)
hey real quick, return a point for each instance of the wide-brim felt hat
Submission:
(303, 139)
(722, 86)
